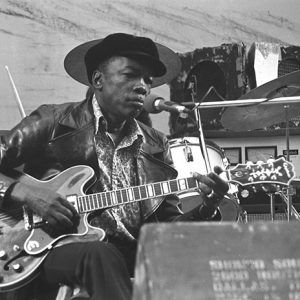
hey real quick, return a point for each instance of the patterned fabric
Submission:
(118, 169)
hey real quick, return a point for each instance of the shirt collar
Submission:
(133, 129)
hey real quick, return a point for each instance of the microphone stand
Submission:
(202, 144)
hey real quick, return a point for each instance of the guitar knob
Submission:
(16, 247)
(17, 268)
(3, 255)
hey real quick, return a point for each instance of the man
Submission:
(100, 132)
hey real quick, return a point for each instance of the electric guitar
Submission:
(25, 240)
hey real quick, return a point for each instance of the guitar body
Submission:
(29, 248)
(12, 239)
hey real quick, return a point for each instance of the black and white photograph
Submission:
(149, 150)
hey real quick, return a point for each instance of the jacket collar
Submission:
(81, 114)
(78, 115)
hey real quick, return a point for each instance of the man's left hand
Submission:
(212, 187)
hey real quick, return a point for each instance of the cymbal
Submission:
(243, 118)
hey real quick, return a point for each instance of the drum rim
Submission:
(218, 148)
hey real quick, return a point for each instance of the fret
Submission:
(130, 194)
(150, 190)
(136, 192)
(182, 184)
(143, 192)
(102, 199)
(92, 206)
(93, 202)
(157, 189)
(98, 204)
(80, 204)
(88, 202)
(124, 195)
(118, 197)
(173, 186)
(98, 199)
(108, 199)
(165, 187)
(113, 198)
(191, 183)
(84, 204)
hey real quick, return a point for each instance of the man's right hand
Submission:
(49, 205)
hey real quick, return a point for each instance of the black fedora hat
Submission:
(81, 61)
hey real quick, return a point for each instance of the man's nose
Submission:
(141, 90)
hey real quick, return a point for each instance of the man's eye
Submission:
(129, 74)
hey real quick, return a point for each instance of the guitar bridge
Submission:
(31, 221)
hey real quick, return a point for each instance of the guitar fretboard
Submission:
(91, 202)
(280, 172)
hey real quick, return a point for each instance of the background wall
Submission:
(36, 35)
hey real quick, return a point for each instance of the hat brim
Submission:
(75, 65)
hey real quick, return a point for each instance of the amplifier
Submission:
(218, 261)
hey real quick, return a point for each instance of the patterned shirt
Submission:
(118, 169)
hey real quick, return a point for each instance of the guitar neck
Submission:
(91, 202)
(278, 172)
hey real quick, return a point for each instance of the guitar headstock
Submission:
(278, 171)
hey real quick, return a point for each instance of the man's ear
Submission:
(97, 79)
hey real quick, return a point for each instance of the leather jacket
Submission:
(56, 137)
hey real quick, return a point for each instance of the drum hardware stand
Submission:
(287, 128)
(285, 194)
(288, 197)
(272, 206)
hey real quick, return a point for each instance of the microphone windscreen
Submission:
(149, 104)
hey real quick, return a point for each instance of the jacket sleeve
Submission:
(24, 142)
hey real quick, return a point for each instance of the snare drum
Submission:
(187, 158)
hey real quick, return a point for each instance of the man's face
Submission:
(125, 84)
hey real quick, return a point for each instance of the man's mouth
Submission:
(139, 101)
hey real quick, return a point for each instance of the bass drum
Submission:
(229, 208)
(187, 157)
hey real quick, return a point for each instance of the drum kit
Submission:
(272, 103)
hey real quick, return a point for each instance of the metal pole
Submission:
(202, 141)
(245, 102)
(19, 103)
(272, 206)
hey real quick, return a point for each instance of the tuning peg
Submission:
(3, 255)
(17, 268)
(245, 193)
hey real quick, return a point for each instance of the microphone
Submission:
(155, 104)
